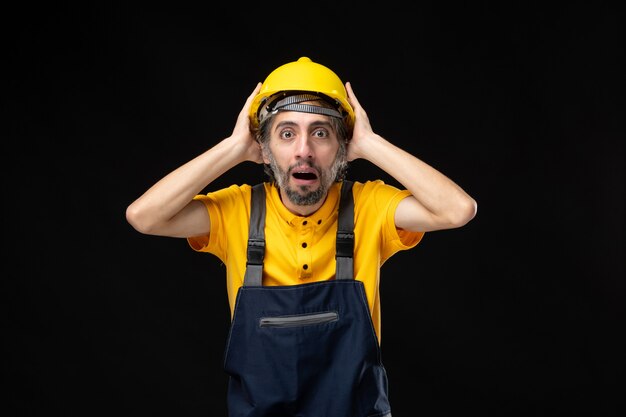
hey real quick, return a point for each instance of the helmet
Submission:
(303, 76)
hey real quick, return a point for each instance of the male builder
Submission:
(303, 250)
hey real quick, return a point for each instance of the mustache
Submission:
(301, 164)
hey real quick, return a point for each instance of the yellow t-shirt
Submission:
(302, 249)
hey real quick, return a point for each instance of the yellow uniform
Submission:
(302, 249)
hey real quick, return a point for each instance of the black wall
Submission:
(519, 313)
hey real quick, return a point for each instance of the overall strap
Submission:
(256, 236)
(345, 234)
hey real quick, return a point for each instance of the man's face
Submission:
(303, 152)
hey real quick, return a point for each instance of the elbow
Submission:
(465, 212)
(138, 219)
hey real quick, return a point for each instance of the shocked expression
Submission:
(305, 155)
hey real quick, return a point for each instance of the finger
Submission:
(256, 91)
(351, 96)
(253, 94)
(243, 113)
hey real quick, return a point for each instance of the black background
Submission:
(519, 313)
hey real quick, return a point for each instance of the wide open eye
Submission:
(320, 133)
(286, 134)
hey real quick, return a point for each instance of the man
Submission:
(303, 251)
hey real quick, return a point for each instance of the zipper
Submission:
(299, 320)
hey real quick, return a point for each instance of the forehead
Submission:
(301, 120)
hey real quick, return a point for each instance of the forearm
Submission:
(447, 203)
(171, 194)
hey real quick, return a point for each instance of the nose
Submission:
(303, 148)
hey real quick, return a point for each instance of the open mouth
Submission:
(304, 174)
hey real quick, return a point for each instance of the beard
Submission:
(303, 195)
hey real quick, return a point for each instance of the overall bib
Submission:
(307, 350)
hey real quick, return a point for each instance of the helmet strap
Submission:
(294, 103)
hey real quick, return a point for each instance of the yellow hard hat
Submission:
(304, 76)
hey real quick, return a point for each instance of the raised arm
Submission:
(436, 203)
(167, 208)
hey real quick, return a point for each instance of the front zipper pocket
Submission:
(299, 320)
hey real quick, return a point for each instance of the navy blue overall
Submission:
(307, 350)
